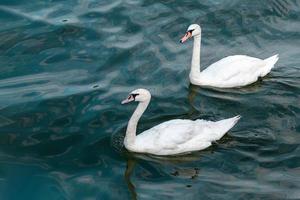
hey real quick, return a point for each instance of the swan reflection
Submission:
(170, 166)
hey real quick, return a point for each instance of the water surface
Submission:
(67, 64)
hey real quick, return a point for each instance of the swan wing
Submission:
(169, 134)
(238, 70)
(180, 136)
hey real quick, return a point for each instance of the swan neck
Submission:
(132, 124)
(195, 66)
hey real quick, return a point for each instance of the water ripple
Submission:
(66, 65)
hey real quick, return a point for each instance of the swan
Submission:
(178, 136)
(229, 72)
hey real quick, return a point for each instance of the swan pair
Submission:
(180, 136)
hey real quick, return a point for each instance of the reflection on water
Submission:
(66, 65)
(128, 172)
(180, 167)
(186, 173)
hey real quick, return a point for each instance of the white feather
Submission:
(229, 72)
(176, 136)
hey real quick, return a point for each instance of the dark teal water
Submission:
(66, 65)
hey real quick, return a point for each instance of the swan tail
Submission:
(226, 125)
(270, 62)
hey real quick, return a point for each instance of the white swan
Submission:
(232, 71)
(173, 137)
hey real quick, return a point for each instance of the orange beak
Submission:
(129, 99)
(187, 36)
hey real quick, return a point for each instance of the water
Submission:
(66, 65)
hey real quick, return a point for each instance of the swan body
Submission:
(172, 137)
(229, 72)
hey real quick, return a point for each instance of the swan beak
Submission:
(128, 100)
(187, 36)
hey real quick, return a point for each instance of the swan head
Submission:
(193, 30)
(141, 95)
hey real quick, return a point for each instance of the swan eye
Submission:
(190, 31)
(134, 95)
